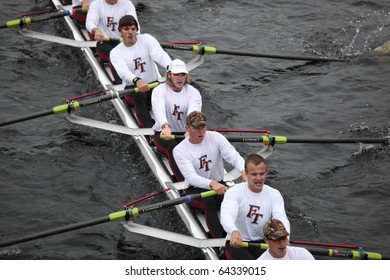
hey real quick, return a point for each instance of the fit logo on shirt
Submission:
(252, 213)
(176, 112)
(111, 23)
(139, 65)
(204, 163)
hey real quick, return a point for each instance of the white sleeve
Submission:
(195, 100)
(156, 52)
(158, 105)
(278, 210)
(229, 153)
(229, 211)
(92, 16)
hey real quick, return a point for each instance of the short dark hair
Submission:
(255, 159)
(128, 20)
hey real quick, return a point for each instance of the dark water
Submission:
(54, 173)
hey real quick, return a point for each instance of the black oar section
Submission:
(28, 20)
(28, 117)
(283, 140)
(330, 252)
(269, 139)
(72, 106)
(56, 231)
(113, 217)
(134, 212)
(200, 49)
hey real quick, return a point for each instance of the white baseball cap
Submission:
(177, 66)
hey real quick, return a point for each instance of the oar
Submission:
(218, 242)
(28, 20)
(113, 217)
(200, 49)
(109, 126)
(62, 40)
(284, 140)
(330, 252)
(72, 106)
(241, 130)
(329, 245)
(197, 49)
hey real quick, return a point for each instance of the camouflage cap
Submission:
(196, 119)
(274, 229)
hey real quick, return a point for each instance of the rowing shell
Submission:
(160, 167)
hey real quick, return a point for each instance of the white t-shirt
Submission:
(138, 60)
(201, 163)
(292, 253)
(173, 107)
(106, 17)
(247, 211)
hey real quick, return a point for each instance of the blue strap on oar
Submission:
(201, 49)
(271, 140)
(71, 107)
(22, 22)
(362, 254)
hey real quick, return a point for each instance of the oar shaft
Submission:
(284, 140)
(134, 212)
(200, 49)
(55, 231)
(113, 217)
(71, 106)
(336, 140)
(241, 130)
(278, 56)
(28, 117)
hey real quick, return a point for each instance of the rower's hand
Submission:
(235, 239)
(218, 187)
(85, 6)
(142, 86)
(99, 36)
(166, 133)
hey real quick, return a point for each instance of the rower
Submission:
(134, 60)
(200, 160)
(247, 207)
(276, 236)
(171, 103)
(103, 22)
(80, 17)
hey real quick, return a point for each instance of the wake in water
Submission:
(10, 253)
(363, 31)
